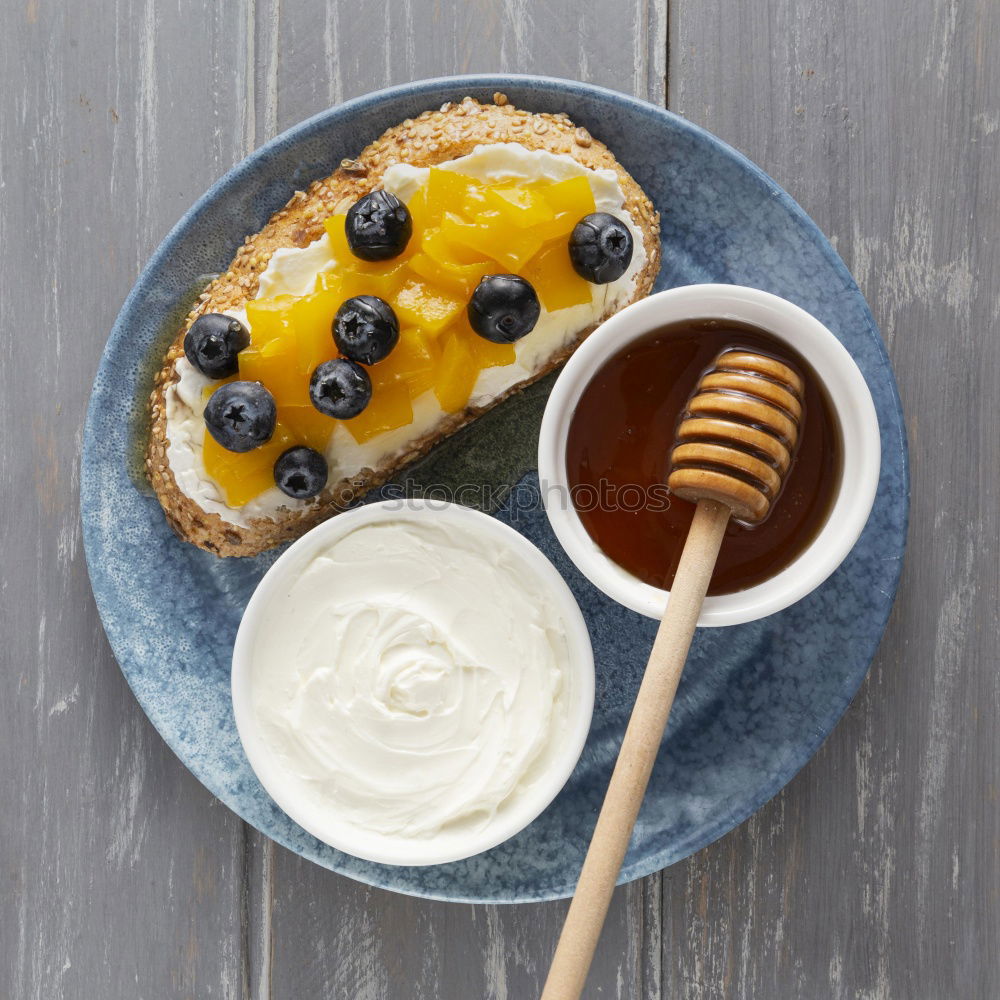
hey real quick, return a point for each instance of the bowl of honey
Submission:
(609, 426)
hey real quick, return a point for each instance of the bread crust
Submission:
(433, 137)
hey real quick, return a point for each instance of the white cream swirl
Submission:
(412, 681)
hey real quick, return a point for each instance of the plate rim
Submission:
(806, 750)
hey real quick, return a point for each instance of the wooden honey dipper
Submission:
(735, 445)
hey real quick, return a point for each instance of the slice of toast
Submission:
(432, 138)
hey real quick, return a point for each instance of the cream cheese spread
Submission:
(293, 271)
(412, 680)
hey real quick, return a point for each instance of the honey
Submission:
(463, 230)
(618, 448)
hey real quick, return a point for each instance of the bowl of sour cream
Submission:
(413, 682)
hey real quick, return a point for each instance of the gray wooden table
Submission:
(875, 874)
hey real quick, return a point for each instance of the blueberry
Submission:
(365, 329)
(213, 343)
(300, 472)
(378, 226)
(600, 248)
(241, 415)
(340, 388)
(503, 308)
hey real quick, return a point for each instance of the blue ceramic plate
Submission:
(752, 707)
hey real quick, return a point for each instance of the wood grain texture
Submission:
(335, 938)
(876, 873)
(363, 45)
(121, 876)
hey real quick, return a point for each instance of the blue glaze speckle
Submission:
(756, 700)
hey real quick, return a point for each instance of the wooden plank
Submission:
(357, 47)
(332, 937)
(875, 874)
(122, 877)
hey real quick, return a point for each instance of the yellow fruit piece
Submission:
(384, 285)
(459, 279)
(240, 485)
(447, 191)
(268, 318)
(456, 374)
(331, 281)
(486, 354)
(557, 228)
(276, 367)
(420, 216)
(413, 362)
(339, 247)
(438, 248)
(419, 303)
(474, 203)
(522, 207)
(244, 475)
(389, 408)
(574, 196)
(551, 274)
(493, 237)
(307, 425)
(311, 321)
(570, 201)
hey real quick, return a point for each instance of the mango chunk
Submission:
(436, 246)
(276, 366)
(384, 285)
(574, 196)
(491, 236)
(448, 191)
(421, 304)
(311, 320)
(245, 475)
(459, 279)
(521, 206)
(341, 250)
(486, 354)
(558, 228)
(412, 362)
(570, 201)
(556, 283)
(389, 409)
(307, 425)
(269, 318)
(456, 374)
(421, 217)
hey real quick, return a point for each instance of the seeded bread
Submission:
(435, 136)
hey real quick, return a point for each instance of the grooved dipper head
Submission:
(737, 437)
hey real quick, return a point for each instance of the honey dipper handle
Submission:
(638, 752)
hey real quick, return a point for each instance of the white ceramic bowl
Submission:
(852, 404)
(446, 847)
